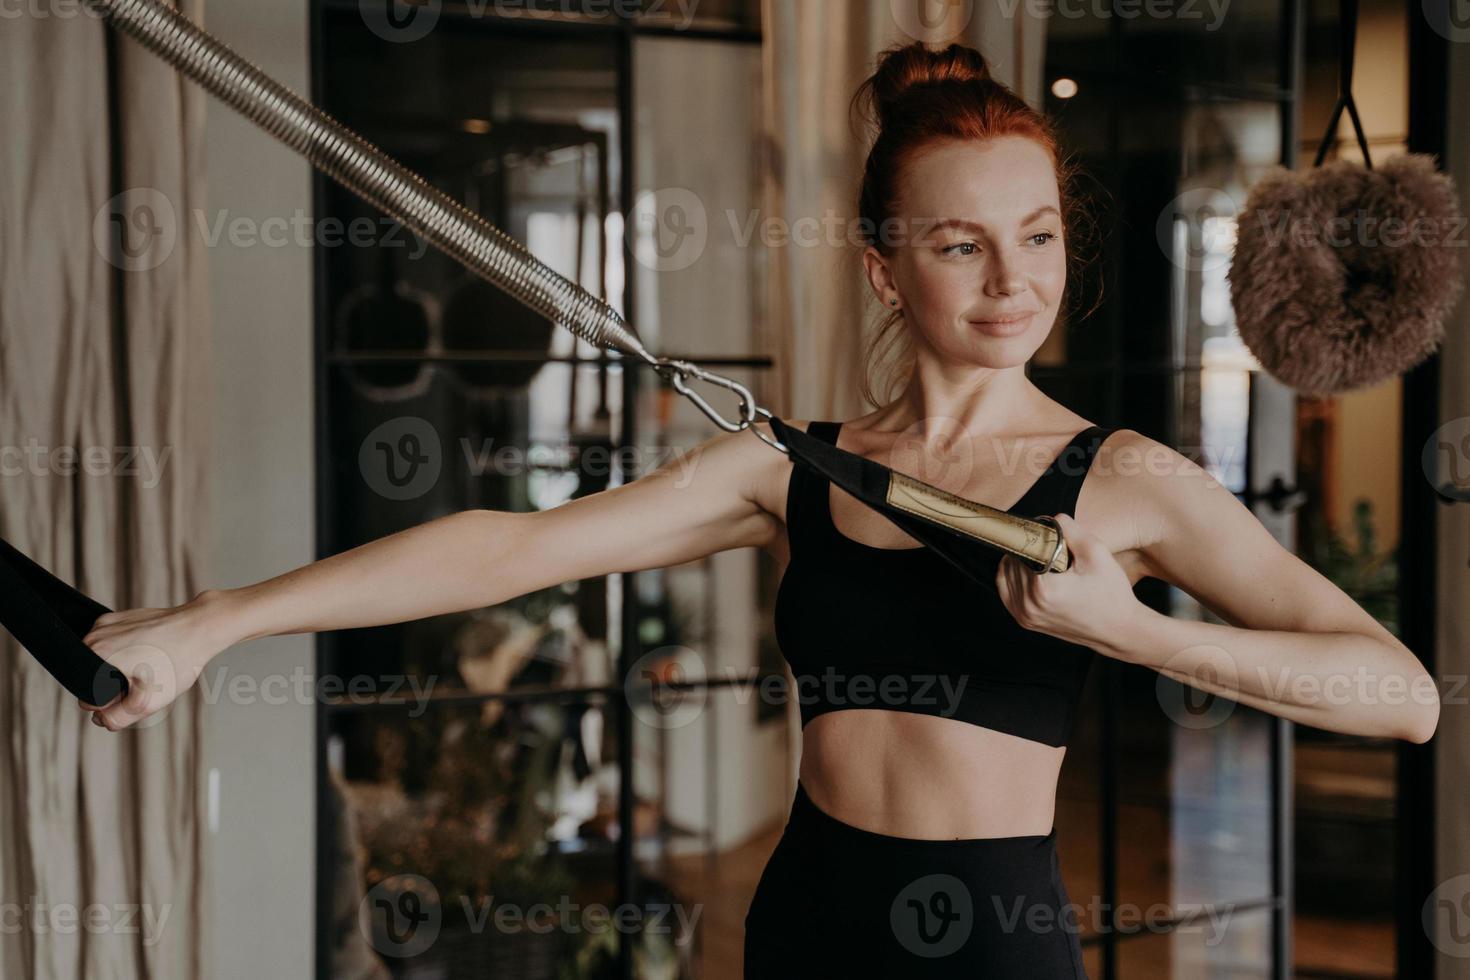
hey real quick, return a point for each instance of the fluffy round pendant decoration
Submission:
(1343, 276)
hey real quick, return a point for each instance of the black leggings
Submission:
(839, 901)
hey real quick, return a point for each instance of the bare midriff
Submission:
(913, 775)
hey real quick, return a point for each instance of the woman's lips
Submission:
(1005, 328)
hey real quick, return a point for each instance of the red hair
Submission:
(917, 96)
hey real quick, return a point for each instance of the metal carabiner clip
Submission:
(679, 371)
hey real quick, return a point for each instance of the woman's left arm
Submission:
(1295, 645)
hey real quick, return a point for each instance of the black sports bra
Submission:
(902, 629)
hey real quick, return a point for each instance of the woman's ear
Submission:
(880, 278)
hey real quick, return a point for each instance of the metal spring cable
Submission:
(365, 169)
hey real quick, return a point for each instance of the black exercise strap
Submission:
(869, 482)
(49, 618)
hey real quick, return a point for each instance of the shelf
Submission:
(531, 693)
(600, 845)
(522, 17)
(1106, 368)
(513, 356)
(1186, 90)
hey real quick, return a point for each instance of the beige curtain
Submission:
(101, 871)
(816, 52)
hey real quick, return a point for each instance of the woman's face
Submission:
(980, 240)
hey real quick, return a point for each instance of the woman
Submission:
(921, 840)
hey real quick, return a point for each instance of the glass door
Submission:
(1173, 819)
(497, 795)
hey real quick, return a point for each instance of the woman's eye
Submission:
(970, 248)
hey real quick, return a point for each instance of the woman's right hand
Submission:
(162, 652)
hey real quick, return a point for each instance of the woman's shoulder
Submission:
(1133, 482)
(772, 465)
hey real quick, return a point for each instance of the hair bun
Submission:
(902, 68)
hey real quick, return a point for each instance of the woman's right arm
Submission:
(699, 503)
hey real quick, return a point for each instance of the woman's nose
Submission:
(1004, 276)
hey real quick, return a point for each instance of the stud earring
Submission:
(893, 302)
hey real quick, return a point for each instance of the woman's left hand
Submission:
(1091, 603)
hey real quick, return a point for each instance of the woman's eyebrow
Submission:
(965, 225)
